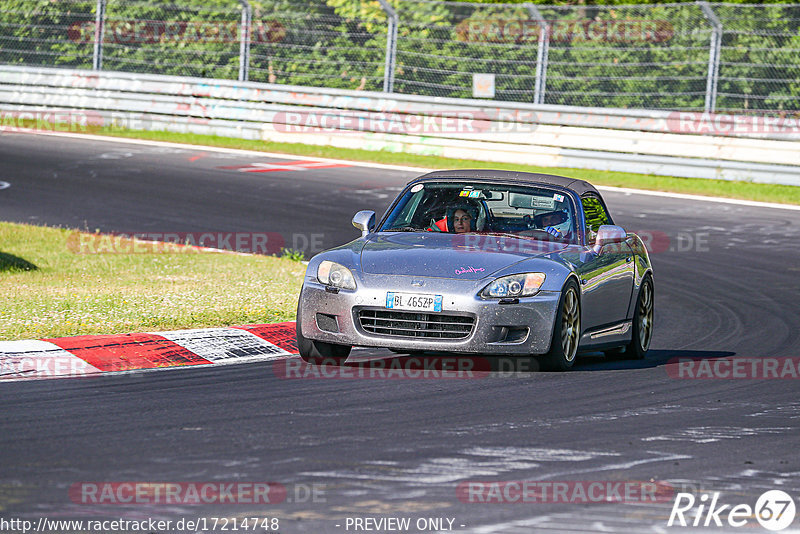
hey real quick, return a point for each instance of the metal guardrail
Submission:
(649, 142)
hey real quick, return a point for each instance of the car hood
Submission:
(439, 255)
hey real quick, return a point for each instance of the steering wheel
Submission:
(429, 213)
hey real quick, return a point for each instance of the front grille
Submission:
(412, 324)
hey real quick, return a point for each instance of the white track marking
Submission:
(221, 150)
(682, 196)
(32, 358)
(224, 345)
(4, 185)
(417, 170)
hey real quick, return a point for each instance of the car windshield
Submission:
(534, 212)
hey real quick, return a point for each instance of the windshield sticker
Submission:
(465, 193)
(417, 188)
(543, 202)
(558, 198)
(469, 269)
(475, 194)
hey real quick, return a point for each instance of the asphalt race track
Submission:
(727, 284)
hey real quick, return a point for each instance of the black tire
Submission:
(642, 325)
(319, 352)
(566, 331)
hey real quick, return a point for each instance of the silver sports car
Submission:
(483, 262)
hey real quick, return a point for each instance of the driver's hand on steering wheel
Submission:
(555, 232)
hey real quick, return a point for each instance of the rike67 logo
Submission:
(774, 510)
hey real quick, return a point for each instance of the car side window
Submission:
(595, 214)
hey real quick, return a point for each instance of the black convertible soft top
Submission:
(579, 186)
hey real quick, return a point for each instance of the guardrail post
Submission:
(714, 52)
(391, 46)
(99, 34)
(245, 30)
(542, 50)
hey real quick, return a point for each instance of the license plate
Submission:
(413, 302)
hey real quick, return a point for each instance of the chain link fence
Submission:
(681, 56)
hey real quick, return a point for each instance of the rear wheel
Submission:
(566, 331)
(642, 325)
(319, 352)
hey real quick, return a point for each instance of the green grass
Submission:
(784, 194)
(51, 291)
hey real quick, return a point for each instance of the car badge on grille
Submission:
(417, 283)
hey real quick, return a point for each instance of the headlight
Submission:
(515, 285)
(333, 274)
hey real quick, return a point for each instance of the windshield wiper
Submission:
(558, 240)
(508, 234)
(405, 229)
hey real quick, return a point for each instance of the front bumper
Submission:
(525, 327)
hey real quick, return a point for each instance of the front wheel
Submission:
(566, 331)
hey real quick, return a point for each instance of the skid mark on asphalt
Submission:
(544, 422)
(600, 518)
(714, 434)
(489, 462)
(538, 454)
(789, 411)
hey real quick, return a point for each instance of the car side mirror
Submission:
(607, 234)
(364, 221)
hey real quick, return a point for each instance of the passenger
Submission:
(461, 222)
(460, 219)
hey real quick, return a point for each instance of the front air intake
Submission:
(416, 325)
